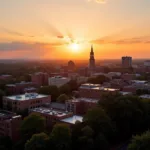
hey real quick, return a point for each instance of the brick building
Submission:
(9, 124)
(19, 88)
(51, 115)
(25, 101)
(94, 91)
(6, 77)
(40, 78)
(80, 105)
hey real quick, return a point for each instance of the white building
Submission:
(58, 80)
(147, 63)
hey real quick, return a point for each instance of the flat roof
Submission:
(50, 111)
(147, 96)
(4, 113)
(85, 100)
(26, 96)
(73, 119)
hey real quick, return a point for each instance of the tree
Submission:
(50, 90)
(62, 98)
(37, 142)
(32, 124)
(140, 142)
(65, 89)
(5, 143)
(61, 137)
(98, 120)
(128, 113)
(2, 93)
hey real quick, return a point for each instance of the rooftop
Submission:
(85, 100)
(26, 96)
(73, 119)
(50, 111)
(58, 77)
(7, 114)
(146, 96)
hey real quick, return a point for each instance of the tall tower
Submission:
(92, 60)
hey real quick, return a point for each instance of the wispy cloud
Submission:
(22, 46)
(134, 40)
(13, 32)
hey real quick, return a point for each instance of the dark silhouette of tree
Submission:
(140, 142)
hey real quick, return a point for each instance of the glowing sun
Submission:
(74, 47)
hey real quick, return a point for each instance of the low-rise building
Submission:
(58, 80)
(145, 96)
(19, 88)
(25, 101)
(9, 124)
(80, 105)
(94, 91)
(5, 77)
(51, 115)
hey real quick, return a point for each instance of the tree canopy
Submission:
(37, 142)
(32, 124)
(140, 142)
(62, 98)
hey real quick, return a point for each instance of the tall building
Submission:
(126, 62)
(92, 60)
(71, 65)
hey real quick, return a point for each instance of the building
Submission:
(71, 66)
(94, 91)
(51, 115)
(92, 61)
(126, 62)
(40, 78)
(6, 77)
(58, 80)
(146, 96)
(19, 88)
(9, 124)
(80, 106)
(147, 63)
(25, 101)
(128, 77)
(72, 120)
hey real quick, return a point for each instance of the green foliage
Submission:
(140, 142)
(62, 98)
(61, 136)
(98, 120)
(65, 89)
(50, 90)
(37, 142)
(32, 124)
(128, 113)
(98, 80)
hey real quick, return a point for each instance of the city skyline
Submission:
(48, 29)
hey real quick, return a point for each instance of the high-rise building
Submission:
(92, 60)
(126, 62)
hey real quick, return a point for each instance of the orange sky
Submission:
(47, 29)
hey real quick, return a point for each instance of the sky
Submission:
(65, 29)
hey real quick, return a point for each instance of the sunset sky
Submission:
(65, 29)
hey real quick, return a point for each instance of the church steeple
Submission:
(92, 59)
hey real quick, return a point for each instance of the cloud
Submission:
(134, 40)
(13, 32)
(22, 46)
